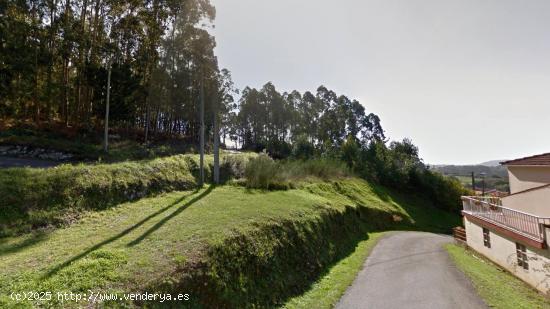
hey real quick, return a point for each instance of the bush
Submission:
(398, 166)
(265, 173)
(323, 168)
(261, 172)
(445, 192)
(233, 166)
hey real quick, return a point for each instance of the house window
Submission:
(521, 252)
(486, 238)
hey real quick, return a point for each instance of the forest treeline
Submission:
(55, 58)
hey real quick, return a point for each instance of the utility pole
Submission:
(106, 134)
(482, 184)
(145, 140)
(216, 145)
(201, 181)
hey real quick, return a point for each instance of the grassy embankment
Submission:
(226, 246)
(328, 290)
(496, 286)
(38, 198)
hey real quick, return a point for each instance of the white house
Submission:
(513, 231)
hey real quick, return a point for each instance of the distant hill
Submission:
(492, 163)
(496, 176)
(466, 170)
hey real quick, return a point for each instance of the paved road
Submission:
(20, 162)
(411, 270)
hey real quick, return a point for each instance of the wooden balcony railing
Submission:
(490, 209)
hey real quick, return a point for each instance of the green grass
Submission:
(38, 198)
(237, 238)
(496, 286)
(328, 290)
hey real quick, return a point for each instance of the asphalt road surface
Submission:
(20, 162)
(411, 270)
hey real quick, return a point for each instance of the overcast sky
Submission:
(467, 80)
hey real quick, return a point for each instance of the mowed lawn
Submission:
(136, 245)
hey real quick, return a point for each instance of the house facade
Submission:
(514, 231)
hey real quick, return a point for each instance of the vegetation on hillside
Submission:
(327, 291)
(262, 172)
(162, 61)
(38, 198)
(326, 179)
(55, 57)
(227, 246)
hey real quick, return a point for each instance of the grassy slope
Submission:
(34, 198)
(328, 290)
(137, 245)
(497, 287)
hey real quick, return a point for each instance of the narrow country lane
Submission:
(411, 270)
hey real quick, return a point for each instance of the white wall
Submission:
(503, 252)
(536, 202)
(527, 177)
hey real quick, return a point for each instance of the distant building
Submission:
(492, 192)
(513, 230)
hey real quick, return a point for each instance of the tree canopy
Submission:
(54, 57)
(268, 119)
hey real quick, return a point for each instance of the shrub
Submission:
(398, 166)
(261, 172)
(233, 165)
(323, 168)
(265, 173)
(445, 192)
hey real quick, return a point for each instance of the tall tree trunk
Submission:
(66, 70)
(51, 46)
(65, 108)
(201, 133)
(106, 133)
(146, 120)
(216, 133)
(80, 110)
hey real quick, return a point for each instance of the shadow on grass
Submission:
(301, 252)
(31, 240)
(169, 217)
(59, 267)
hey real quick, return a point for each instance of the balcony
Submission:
(514, 223)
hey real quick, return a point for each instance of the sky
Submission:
(467, 80)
